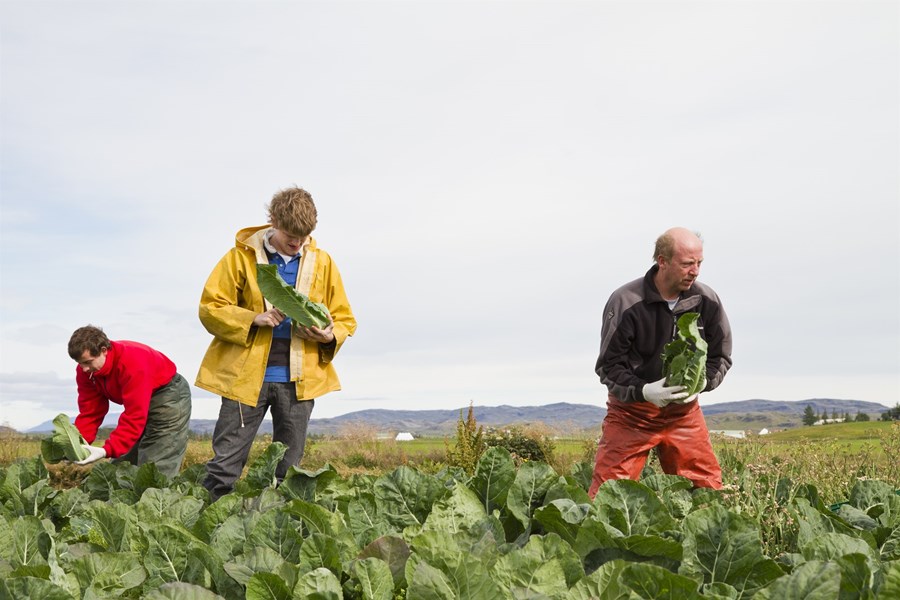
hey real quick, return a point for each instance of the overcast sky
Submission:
(486, 174)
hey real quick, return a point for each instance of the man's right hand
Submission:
(659, 394)
(94, 454)
(270, 318)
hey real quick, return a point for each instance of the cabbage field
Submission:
(503, 532)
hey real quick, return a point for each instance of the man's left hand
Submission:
(95, 455)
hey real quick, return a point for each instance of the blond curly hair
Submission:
(293, 211)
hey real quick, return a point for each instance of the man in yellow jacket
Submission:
(258, 359)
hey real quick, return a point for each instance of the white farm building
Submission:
(734, 433)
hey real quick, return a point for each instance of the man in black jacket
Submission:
(643, 412)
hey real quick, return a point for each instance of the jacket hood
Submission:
(251, 238)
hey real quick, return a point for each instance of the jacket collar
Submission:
(686, 301)
(253, 239)
(651, 294)
(272, 250)
(112, 355)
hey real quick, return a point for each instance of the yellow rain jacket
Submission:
(235, 362)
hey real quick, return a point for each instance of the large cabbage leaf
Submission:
(65, 443)
(288, 300)
(684, 358)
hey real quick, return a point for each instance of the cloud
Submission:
(486, 175)
(28, 398)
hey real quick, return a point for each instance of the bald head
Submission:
(678, 255)
(673, 239)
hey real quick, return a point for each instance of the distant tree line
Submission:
(811, 417)
(892, 414)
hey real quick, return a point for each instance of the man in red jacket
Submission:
(157, 400)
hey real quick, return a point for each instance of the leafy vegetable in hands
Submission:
(684, 358)
(289, 301)
(65, 442)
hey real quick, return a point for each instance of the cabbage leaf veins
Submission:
(298, 307)
(684, 358)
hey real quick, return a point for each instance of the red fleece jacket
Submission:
(130, 375)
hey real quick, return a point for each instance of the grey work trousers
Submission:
(238, 425)
(165, 436)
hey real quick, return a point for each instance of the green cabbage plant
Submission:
(684, 358)
(298, 307)
(65, 443)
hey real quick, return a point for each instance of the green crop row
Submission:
(508, 530)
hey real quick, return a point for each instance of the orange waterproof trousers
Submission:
(677, 431)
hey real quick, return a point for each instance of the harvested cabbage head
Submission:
(65, 443)
(684, 358)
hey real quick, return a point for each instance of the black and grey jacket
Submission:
(637, 324)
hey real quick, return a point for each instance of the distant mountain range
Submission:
(562, 417)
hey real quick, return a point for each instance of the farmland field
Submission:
(867, 430)
(800, 516)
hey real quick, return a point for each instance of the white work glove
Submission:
(687, 400)
(659, 394)
(690, 399)
(95, 455)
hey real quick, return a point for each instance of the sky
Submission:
(486, 174)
